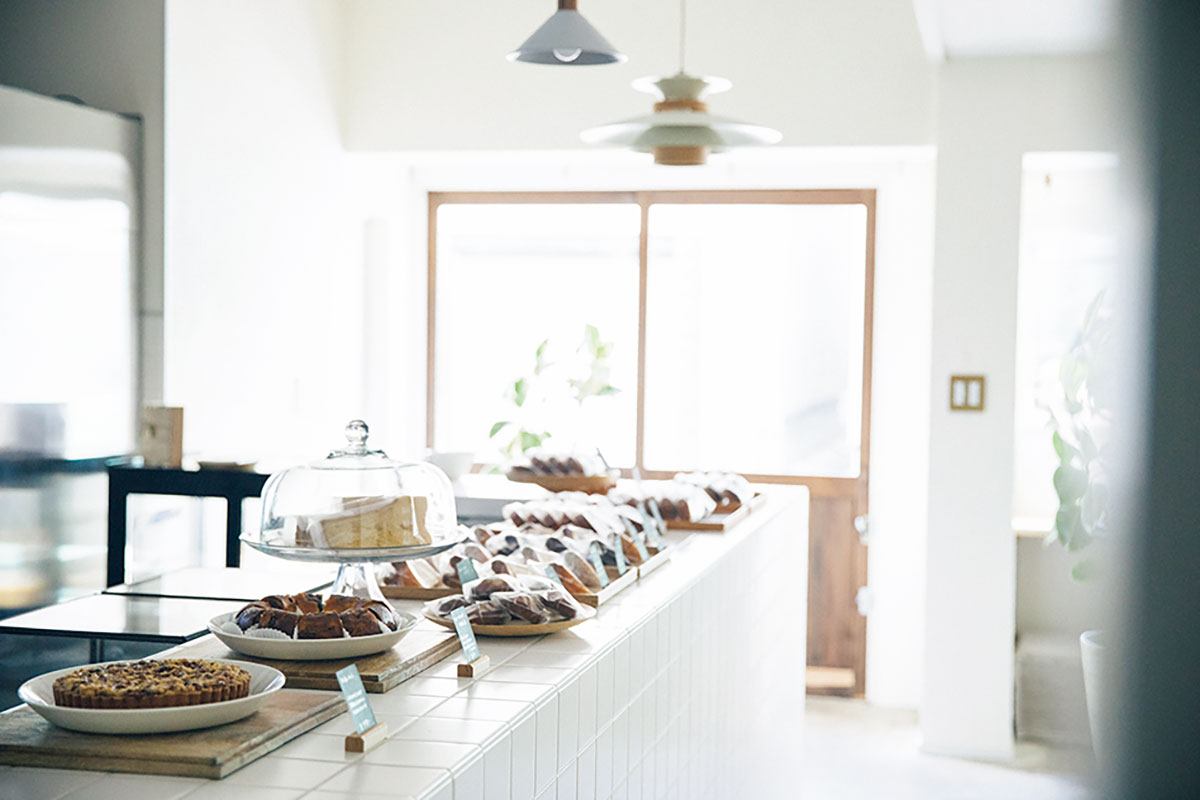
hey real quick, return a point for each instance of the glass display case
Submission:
(357, 507)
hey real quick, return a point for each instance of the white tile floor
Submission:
(853, 751)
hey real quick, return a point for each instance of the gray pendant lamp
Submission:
(567, 39)
(681, 132)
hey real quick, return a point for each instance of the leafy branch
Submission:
(584, 376)
(1079, 420)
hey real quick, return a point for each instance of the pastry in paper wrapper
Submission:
(483, 588)
(524, 606)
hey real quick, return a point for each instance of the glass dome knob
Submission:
(356, 436)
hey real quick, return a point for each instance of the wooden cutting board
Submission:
(719, 523)
(28, 740)
(426, 645)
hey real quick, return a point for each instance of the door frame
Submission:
(822, 489)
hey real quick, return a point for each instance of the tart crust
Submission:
(152, 684)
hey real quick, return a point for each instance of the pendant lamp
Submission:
(566, 39)
(681, 132)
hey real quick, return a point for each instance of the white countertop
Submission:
(550, 709)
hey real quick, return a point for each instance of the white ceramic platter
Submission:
(39, 694)
(309, 649)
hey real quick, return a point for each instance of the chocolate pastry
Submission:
(279, 620)
(321, 625)
(483, 588)
(337, 603)
(559, 603)
(632, 556)
(569, 580)
(384, 613)
(487, 613)
(306, 603)
(249, 615)
(666, 507)
(503, 545)
(475, 552)
(583, 570)
(279, 601)
(361, 622)
(525, 607)
(445, 605)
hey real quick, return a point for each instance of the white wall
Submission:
(432, 75)
(108, 53)
(991, 111)
(263, 287)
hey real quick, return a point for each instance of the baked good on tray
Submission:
(311, 616)
(152, 684)
(367, 522)
(501, 599)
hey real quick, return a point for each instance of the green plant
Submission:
(1079, 419)
(538, 397)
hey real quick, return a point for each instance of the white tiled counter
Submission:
(688, 685)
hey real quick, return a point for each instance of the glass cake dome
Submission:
(356, 506)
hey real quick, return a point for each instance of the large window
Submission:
(1068, 257)
(736, 322)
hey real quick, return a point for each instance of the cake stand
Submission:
(348, 484)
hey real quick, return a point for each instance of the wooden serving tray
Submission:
(28, 740)
(426, 645)
(719, 522)
(616, 584)
(656, 560)
(416, 592)
(592, 484)
(519, 628)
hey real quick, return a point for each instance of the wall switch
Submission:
(966, 392)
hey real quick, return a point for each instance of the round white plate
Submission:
(310, 649)
(39, 694)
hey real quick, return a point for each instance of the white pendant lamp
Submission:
(567, 39)
(681, 132)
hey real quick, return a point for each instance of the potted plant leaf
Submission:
(552, 396)
(1080, 416)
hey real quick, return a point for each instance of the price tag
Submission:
(640, 544)
(622, 564)
(350, 683)
(658, 520)
(466, 636)
(650, 528)
(552, 574)
(594, 555)
(466, 571)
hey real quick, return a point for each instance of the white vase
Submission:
(1093, 653)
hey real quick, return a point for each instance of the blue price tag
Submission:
(466, 636)
(466, 571)
(356, 698)
(552, 574)
(650, 528)
(619, 553)
(654, 511)
(594, 555)
(638, 542)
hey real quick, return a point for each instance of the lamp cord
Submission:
(682, 32)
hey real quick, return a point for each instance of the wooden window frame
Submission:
(820, 486)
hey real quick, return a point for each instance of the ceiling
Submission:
(966, 28)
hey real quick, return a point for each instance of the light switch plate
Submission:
(967, 392)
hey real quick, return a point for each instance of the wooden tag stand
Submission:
(473, 669)
(362, 742)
